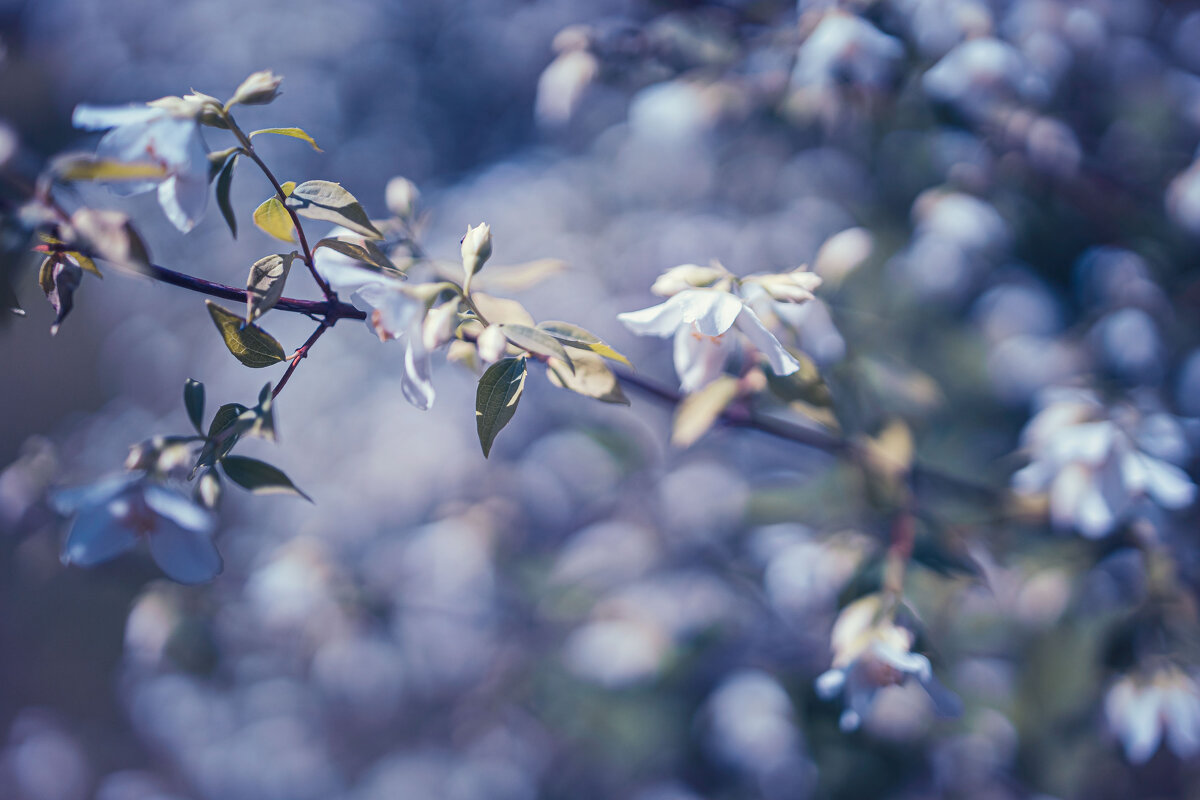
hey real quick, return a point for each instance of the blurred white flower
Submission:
(161, 133)
(394, 312)
(870, 652)
(1096, 462)
(112, 514)
(844, 48)
(1142, 712)
(700, 318)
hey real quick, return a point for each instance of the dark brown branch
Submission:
(330, 311)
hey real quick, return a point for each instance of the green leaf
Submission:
(193, 401)
(699, 410)
(537, 342)
(274, 219)
(368, 253)
(208, 489)
(496, 398)
(226, 415)
(575, 336)
(259, 477)
(111, 236)
(223, 433)
(264, 285)
(249, 344)
(224, 184)
(295, 133)
(328, 201)
(591, 378)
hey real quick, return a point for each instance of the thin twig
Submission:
(301, 354)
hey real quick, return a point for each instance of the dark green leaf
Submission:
(537, 342)
(223, 433)
(249, 344)
(496, 398)
(224, 184)
(193, 401)
(328, 201)
(259, 477)
(224, 417)
(367, 252)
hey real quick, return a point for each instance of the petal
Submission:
(1103, 502)
(396, 308)
(183, 200)
(98, 118)
(781, 361)
(1088, 442)
(1141, 729)
(1066, 492)
(179, 509)
(1169, 485)
(908, 663)
(699, 359)
(945, 702)
(830, 683)
(1182, 711)
(713, 310)
(98, 535)
(416, 385)
(186, 556)
(660, 320)
(68, 501)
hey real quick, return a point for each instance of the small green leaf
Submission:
(223, 433)
(264, 285)
(286, 187)
(537, 342)
(259, 477)
(575, 336)
(699, 410)
(249, 344)
(86, 263)
(368, 253)
(224, 184)
(496, 398)
(295, 133)
(273, 219)
(225, 416)
(193, 401)
(328, 201)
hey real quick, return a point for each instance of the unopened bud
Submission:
(476, 248)
(402, 196)
(438, 327)
(257, 90)
(687, 276)
(492, 344)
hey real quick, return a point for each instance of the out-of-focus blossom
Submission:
(1183, 199)
(114, 513)
(700, 318)
(1142, 712)
(979, 74)
(1097, 462)
(846, 49)
(870, 652)
(165, 133)
(394, 312)
(565, 81)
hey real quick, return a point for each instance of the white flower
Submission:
(699, 320)
(165, 133)
(394, 312)
(1096, 462)
(1140, 713)
(476, 248)
(870, 652)
(114, 513)
(845, 48)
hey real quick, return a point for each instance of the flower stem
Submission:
(301, 354)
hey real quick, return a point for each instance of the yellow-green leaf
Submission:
(575, 336)
(287, 187)
(272, 218)
(85, 262)
(329, 202)
(700, 410)
(295, 133)
(537, 342)
(249, 344)
(90, 168)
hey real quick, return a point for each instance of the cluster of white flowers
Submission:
(705, 304)
(1141, 712)
(1097, 462)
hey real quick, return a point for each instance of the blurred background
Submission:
(592, 613)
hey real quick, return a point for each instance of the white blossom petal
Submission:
(1140, 727)
(98, 535)
(660, 320)
(781, 361)
(830, 683)
(1169, 485)
(179, 509)
(98, 118)
(185, 556)
(699, 359)
(1182, 711)
(417, 384)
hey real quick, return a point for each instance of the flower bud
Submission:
(788, 287)
(687, 276)
(402, 196)
(257, 90)
(492, 344)
(476, 248)
(438, 327)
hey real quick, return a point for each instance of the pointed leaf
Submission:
(699, 410)
(259, 477)
(328, 201)
(273, 219)
(83, 261)
(368, 253)
(90, 168)
(295, 133)
(224, 184)
(537, 342)
(496, 399)
(223, 433)
(249, 344)
(575, 336)
(264, 286)
(193, 401)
